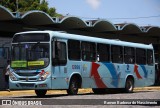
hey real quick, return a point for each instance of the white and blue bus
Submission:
(46, 60)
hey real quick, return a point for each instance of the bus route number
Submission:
(75, 67)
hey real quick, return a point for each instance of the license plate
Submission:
(26, 85)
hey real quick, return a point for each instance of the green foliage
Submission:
(28, 5)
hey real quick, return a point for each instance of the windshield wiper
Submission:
(35, 45)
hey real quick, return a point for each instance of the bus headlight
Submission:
(12, 77)
(43, 75)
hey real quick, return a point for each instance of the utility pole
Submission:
(17, 11)
(17, 5)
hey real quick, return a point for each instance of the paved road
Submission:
(96, 101)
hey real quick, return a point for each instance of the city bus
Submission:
(57, 60)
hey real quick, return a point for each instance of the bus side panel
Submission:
(114, 75)
(150, 77)
(144, 75)
(61, 74)
(103, 75)
(73, 68)
(59, 77)
(87, 80)
(111, 73)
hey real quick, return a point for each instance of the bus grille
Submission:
(28, 79)
(28, 74)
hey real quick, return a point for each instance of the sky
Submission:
(140, 12)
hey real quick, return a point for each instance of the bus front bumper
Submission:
(19, 85)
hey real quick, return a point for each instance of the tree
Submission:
(28, 5)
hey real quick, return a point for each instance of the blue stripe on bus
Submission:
(113, 73)
(144, 70)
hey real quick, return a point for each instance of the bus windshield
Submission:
(30, 55)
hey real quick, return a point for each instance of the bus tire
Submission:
(73, 86)
(40, 93)
(99, 90)
(129, 86)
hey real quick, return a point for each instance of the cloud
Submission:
(94, 3)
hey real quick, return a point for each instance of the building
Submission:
(10, 23)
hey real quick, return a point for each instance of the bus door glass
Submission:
(88, 56)
(59, 59)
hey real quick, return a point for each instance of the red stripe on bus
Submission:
(97, 78)
(136, 71)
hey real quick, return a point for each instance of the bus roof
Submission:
(65, 35)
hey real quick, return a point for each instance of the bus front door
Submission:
(59, 65)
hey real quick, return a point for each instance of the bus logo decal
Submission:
(27, 78)
(84, 67)
(96, 76)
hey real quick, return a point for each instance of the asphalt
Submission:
(81, 91)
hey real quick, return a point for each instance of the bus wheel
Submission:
(73, 86)
(40, 93)
(129, 85)
(99, 90)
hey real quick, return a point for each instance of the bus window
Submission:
(129, 55)
(74, 50)
(31, 37)
(149, 57)
(60, 56)
(88, 51)
(103, 52)
(117, 54)
(140, 56)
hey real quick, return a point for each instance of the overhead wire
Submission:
(142, 17)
